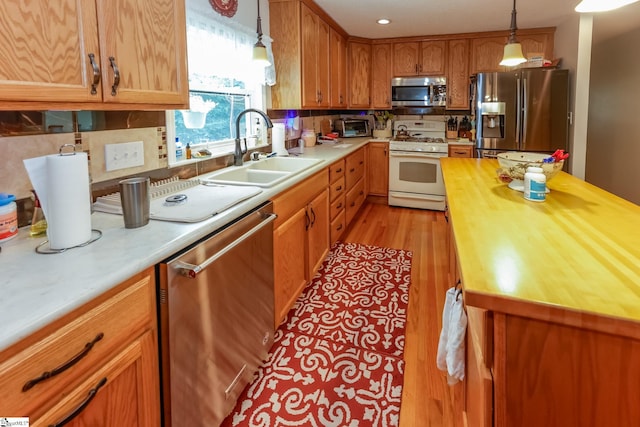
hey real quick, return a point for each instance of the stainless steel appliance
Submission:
(351, 128)
(418, 91)
(522, 110)
(217, 319)
(415, 176)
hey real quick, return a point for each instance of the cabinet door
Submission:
(465, 151)
(318, 232)
(309, 57)
(46, 50)
(359, 74)
(289, 250)
(405, 59)
(486, 54)
(378, 168)
(432, 58)
(338, 64)
(537, 43)
(323, 64)
(458, 74)
(381, 76)
(124, 392)
(147, 41)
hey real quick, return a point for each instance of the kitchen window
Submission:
(223, 81)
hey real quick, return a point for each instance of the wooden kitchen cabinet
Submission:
(113, 341)
(359, 55)
(337, 200)
(378, 168)
(315, 60)
(425, 58)
(300, 239)
(458, 74)
(381, 76)
(70, 61)
(338, 65)
(355, 182)
(459, 150)
(486, 54)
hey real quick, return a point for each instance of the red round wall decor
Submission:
(225, 7)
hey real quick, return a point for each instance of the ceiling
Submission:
(431, 17)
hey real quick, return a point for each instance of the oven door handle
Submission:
(416, 155)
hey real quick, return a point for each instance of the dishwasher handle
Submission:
(191, 270)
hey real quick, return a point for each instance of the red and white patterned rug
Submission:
(337, 358)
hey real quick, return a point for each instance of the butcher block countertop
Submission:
(573, 259)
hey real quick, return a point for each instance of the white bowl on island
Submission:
(514, 164)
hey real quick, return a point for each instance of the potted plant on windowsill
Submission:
(384, 124)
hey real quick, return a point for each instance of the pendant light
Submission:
(259, 49)
(512, 50)
(588, 6)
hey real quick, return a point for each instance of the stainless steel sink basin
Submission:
(262, 173)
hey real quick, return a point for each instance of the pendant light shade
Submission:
(513, 50)
(259, 49)
(590, 6)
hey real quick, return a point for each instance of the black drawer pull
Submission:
(339, 227)
(353, 204)
(338, 170)
(460, 152)
(82, 406)
(339, 188)
(339, 207)
(55, 371)
(352, 170)
(361, 192)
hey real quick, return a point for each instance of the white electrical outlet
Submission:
(124, 155)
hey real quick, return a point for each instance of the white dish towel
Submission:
(451, 346)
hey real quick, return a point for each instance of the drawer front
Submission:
(336, 189)
(337, 206)
(460, 151)
(288, 203)
(355, 198)
(354, 168)
(338, 224)
(108, 326)
(336, 170)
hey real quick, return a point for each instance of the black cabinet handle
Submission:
(339, 227)
(338, 170)
(116, 76)
(307, 220)
(55, 371)
(339, 188)
(82, 406)
(352, 170)
(313, 214)
(339, 207)
(96, 74)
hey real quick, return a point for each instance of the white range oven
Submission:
(415, 176)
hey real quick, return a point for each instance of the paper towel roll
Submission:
(62, 185)
(277, 140)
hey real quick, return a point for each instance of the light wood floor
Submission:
(425, 398)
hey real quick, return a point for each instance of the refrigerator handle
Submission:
(525, 103)
(518, 112)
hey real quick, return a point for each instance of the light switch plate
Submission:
(124, 155)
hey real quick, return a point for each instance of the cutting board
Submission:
(325, 126)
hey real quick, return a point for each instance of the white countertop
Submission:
(37, 289)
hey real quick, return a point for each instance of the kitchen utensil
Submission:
(135, 199)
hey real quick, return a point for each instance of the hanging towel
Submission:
(451, 346)
(450, 298)
(456, 342)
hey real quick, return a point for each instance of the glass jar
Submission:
(309, 137)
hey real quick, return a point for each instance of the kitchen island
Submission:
(552, 292)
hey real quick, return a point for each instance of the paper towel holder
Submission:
(41, 249)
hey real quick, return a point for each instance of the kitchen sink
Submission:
(262, 173)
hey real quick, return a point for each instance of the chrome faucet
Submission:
(237, 155)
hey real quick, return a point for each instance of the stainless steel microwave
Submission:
(418, 91)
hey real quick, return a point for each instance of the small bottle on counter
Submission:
(178, 148)
(535, 184)
(188, 151)
(8, 217)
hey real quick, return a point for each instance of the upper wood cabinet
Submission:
(315, 60)
(458, 74)
(381, 76)
(537, 43)
(419, 58)
(90, 54)
(338, 64)
(487, 52)
(359, 55)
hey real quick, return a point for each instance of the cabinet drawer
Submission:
(354, 168)
(88, 339)
(286, 204)
(336, 189)
(337, 206)
(338, 224)
(461, 151)
(355, 198)
(336, 170)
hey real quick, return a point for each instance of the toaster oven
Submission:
(351, 128)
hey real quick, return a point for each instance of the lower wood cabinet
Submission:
(461, 150)
(300, 240)
(378, 169)
(101, 362)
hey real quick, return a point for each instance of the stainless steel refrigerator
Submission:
(522, 110)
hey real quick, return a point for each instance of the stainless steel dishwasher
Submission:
(216, 319)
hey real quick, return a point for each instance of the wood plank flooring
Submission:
(426, 398)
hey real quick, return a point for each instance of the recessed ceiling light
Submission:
(383, 21)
